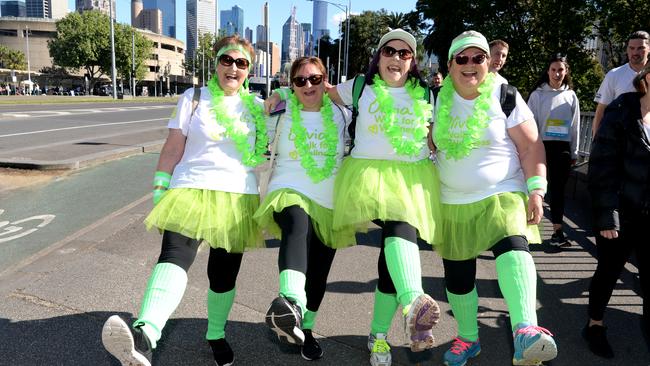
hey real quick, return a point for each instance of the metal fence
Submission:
(586, 122)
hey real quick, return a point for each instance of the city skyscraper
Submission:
(13, 8)
(150, 19)
(307, 39)
(168, 9)
(248, 34)
(201, 19)
(260, 36)
(101, 5)
(232, 21)
(292, 39)
(320, 19)
(38, 8)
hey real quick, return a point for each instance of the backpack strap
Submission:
(508, 99)
(357, 90)
(195, 99)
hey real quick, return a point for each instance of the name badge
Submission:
(557, 128)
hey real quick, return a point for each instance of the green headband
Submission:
(472, 41)
(235, 47)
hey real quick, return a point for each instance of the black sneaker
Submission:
(129, 345)
(558, 239)
(596, 336)
(285, 319)
(222, 352)
(311, 349)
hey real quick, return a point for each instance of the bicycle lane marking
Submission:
(23, 230)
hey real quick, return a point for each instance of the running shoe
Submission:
(422, 315)
(129, 345)
(285, 319)
(596, 337)
(221, 351)
(533, 345)
(310, 350)
(461, 350)
(379, 350)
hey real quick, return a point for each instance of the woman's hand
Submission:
(535, 208)
(271, 102)
(609, 234)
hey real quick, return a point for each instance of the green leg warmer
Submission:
(403, 261)
(518, 283)
(292, 286)
(382, 316)
(164, 292)
(465, 309)
(309, 319)
(219, 305)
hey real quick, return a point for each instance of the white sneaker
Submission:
(379, 350)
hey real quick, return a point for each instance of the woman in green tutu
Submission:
(492, 171)
(204, 190)
(298, 208)
(389, 180)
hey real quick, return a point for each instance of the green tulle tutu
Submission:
(466, 230)
(387, 190)
(222, 219)
(321, 217)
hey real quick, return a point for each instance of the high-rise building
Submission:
(101, 5)
(150, 19)
(13, 8)
(320, 19)
(232, 21)
(168, 9)
(260, 34)
(38, 8)
(201, 19)
(307, 39)
(248, 34)
(292, 39)
(58, 8)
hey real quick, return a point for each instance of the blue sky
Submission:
(279, 12)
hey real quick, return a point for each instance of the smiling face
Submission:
(231, 78)
(468, 77)
(637, 53)
(556, 72)
(394, 70)
(309, 95)
(498, 56)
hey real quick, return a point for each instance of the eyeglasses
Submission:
(404, 54)
(227, 61)
(301, 81)
(477, 59)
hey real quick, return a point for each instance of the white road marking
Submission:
(20, 231)
(88, 126)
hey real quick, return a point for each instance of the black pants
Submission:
(460, 276)
(223, 267)
(391, 229)
(558, 162)
(612, 256)
(301, 250)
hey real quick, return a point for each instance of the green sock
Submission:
(292, 286)
(465, 309)
(309, 319)
(518, 283)
(382, 315)
(164, 292)
(219, 305)
(403, 261)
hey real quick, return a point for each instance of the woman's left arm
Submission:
(533, 162)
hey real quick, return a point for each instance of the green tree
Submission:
(203, 63)
(366, 30)
(12, 59)
(125, 37)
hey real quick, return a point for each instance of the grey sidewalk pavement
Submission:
(53, 307)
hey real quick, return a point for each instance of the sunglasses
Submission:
(227, 61)
(301, 81)
(404, 54)
(477, 59)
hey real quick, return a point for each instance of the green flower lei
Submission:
(402, 144)
(331, 139)
(237, 130)
(475, 125)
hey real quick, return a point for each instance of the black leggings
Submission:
(301, 250)
(460, 276)
(391, 229)
(223, 267)
(612, 256)
(558, 161)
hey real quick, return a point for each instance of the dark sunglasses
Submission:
(227, 61)
(404, 54)
(301, 81)
(476, 59)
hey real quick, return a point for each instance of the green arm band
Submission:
(283, 93)
(157, 195)
(536, 182)
(162, 179)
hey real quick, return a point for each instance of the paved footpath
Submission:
(52, 309)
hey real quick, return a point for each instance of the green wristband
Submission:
(162, 179)
(536, 182)
(157, 195)
(283, 93)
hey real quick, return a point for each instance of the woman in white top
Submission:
(298, 208)
(204, 190)
(492, 181)
(557, 113)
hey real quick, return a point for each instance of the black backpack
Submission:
(508, 98)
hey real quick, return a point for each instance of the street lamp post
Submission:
(110, 2)
(345, 8)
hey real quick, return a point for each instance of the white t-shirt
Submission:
(370, 142)
(617, 81)
(490, 169)
(500, 79)
(211, 160)
(288, 172)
